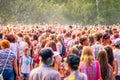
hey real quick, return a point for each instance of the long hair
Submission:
(26, 39)
(87, 55)
(104, 66)
(110, 55)
(52, 44)
(59, 39)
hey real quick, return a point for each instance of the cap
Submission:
(56, 54)
(117, 41)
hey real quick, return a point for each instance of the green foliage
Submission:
(61, 11)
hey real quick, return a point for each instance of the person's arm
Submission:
(31, 65)
(85, 77)
(18, 55)
(20, 64)
(115, 65)
(98, 70)
(15, 67)
(57, 77)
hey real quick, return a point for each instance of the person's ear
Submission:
(49, 61)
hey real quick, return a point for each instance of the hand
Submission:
(17, 78)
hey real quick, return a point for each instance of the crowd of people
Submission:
(60, 53)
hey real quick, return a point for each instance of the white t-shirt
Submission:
(117, 56)
(22, 45)
(25, 68)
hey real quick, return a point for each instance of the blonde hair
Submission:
(87, 55)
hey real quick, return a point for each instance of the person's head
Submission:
(87, 55)
(102, 57)
(84, 41)
(5, 44)
(109, 52)
(73, 36)
(117, 43)
(114, 30)
(48, 32)
(11, 38)
(73, 61)
(98, 37)
(26, 51)
(52, 37)
(52, 44)
(40, 38)
(27, 39)
(103, 60)
(91, 39)
(106, 38)
(20, 34)
(68, 34)
(59, 38)
(35, 37)
(74, 51)
(46, 55)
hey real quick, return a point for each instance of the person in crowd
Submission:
(13, 45)
(44, 72)
(72, 64)
(25, 64)
(34, 41)
(56, 56)
(19, 37)
(91, 39)
(116, 52)
(72, 41)
(8, 61)
(106, 39)
(89, 65)
(112, 61)
(98, 44)
(22, 44)
(67, 38)
(105, 67)
(74, 51)
(60, 44)
(83, 42)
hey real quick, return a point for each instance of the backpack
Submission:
(63, 51)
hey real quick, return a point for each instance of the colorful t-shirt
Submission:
(3, 57)
(92, 72)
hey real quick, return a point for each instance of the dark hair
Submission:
(35, 37)
(104, 66)
(45, 54)
(106, 36)
(11, 38)
(73, 61)
(1, 35)
(91, 39)
(83, 39)
(52, 44)
(98, 36)
(73, 36)
(110, 55)
(20, 34)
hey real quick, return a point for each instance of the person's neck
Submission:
(5, 49)
(71, 70)
(105, 43)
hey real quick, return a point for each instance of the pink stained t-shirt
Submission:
(92, 71)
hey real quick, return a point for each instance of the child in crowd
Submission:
(25, 64)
